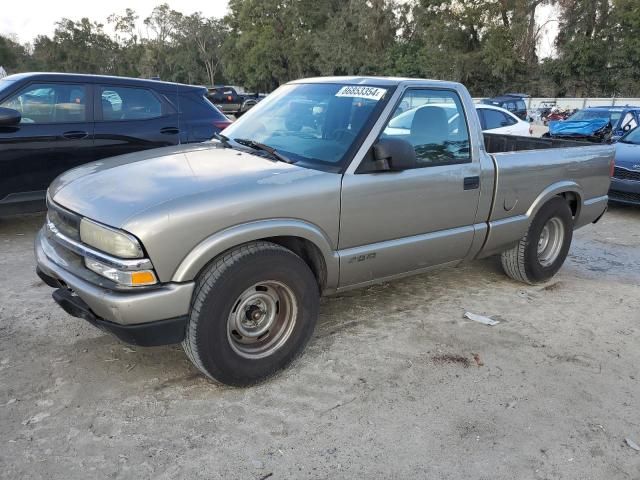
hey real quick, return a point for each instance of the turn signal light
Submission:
(144, 277)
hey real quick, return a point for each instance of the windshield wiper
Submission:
(222, 139)
(265, 148)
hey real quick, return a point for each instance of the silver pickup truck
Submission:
(227, 246)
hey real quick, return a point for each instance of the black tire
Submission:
(218, 298)
(524, 262)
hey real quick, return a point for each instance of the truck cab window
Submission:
(433, 122)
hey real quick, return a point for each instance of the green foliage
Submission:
(489, 45)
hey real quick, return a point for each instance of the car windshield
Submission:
(632, 137)
(613, 117)
(317, 125)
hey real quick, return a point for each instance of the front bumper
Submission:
(138, 310)
(624, 191)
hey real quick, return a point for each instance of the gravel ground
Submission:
(395, 383)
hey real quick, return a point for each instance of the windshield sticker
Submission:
(370, 93)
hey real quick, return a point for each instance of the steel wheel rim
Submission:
(262, 319)
(550, 241)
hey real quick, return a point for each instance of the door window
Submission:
(433, 122)
(496, 119)
(50, 103)
(127, 103)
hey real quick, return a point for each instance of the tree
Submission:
(12, 54)
(80, 46)
(208, 36)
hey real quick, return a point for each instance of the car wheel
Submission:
(253, 311)
(542, 251)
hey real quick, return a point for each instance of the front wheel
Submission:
(253, 312)
(542, 251)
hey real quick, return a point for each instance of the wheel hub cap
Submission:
(550, 241)
(262, 319)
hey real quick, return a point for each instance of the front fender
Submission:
(226, 239)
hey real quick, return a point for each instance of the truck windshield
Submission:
(317, 125)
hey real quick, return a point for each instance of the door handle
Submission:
(169, 131)
(471, 183)
(75, 135)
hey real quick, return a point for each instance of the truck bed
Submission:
(498, 143)
(525, 177)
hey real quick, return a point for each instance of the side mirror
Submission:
(627, 127)
(9, 116)
(395, 154)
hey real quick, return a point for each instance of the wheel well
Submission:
(573, 200)
(309, 252)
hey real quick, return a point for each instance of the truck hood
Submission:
(628, 156)
(581, 128)
(113, 190)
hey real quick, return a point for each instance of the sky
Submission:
(40, 16)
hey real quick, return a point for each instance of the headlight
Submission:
(136, 278)
(109, 240)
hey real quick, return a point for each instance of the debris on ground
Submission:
(36, 418)
(481, 319)
(479, 362)
(632, 444)
(451, 358)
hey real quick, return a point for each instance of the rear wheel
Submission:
(542, 251)
(253, 312)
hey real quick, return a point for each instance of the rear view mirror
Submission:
(395, 154)
(9, 116)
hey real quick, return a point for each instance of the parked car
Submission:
(227, 246)
(557, 114)
(51, 122)
(498, 120)
(511, 101)
(625, 183)
(492, 119)
(597, 124)
(233, 100)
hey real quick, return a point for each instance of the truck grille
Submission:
(624, 174)
(66, 222)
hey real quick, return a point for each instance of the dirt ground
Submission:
(395, 383)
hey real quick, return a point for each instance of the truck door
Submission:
(397, 222)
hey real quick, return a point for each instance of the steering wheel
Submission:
(340, 134)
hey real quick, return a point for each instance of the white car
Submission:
(493, 120)
(498, 120)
